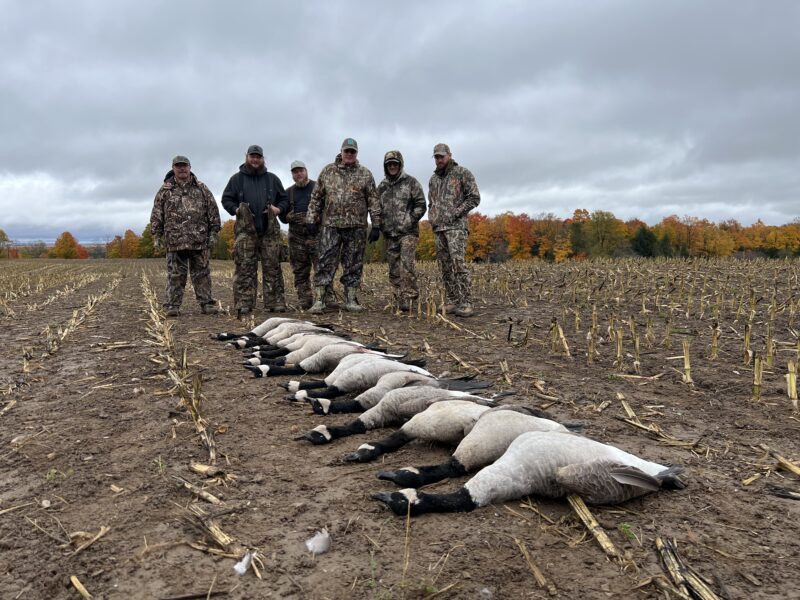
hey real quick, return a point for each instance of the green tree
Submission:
(5, 244)
(645, 242)
(146, 248)
(606, 233)
(114, 247)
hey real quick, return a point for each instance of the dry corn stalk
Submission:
(580, 508)
(791, 384)
(715, 333)
(687, 365)
(758, 371)
(541, 580)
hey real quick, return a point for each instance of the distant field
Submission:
(104, 403)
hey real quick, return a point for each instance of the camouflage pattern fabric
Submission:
(303, 256)
(343, 195)
(451, 195)
(402, 200)
(179, 264)
(347, 242)
(184, 216)
(401, 255)
(249, 249)
(451, 247)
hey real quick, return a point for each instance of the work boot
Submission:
(465, 310)
(319, 301)
(278, 308)
(403, 305)
(449, 308)
(173, 312)
(350, 302)
(330, 297)
(209, 309)
(244, 311)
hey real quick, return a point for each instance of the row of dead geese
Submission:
(516, 450)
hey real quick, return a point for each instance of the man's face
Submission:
(299, 175)
(441, 160)
(393, 168)
(182, 171)
(349, 156)
(256, 161)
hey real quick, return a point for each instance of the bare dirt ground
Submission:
(92, 434)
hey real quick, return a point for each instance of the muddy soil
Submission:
(92, 436)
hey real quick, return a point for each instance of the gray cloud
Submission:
(642, 109)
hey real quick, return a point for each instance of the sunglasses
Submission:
(349, 151)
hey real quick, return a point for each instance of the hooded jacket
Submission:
(402, 200)
(258, 189)
(185, 216)
(452, 193)
(343, 196)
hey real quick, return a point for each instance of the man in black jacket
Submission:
(256, 196)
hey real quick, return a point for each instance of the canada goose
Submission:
(446, 422)
(361, 377)
(298, 348)
(488, 440)
(257, 331)
(395, 407)
(392, 381)
(548, 464)
(327, 358)
(282, 331)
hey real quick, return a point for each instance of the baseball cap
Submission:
(180, 159)
(441, 149)
(350, 143)
(255, 149)
(298, 164)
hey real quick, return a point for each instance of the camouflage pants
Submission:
(303, 256)
(349, 243)
(451, 248)
(248, 251)
(401, 254)
(179, 264)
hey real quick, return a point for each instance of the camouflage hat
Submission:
(298, 164)
(392, 156)
(350, 143)
(180, 159)
(255, 149)
(441, 149)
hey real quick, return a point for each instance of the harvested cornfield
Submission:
(141, 460)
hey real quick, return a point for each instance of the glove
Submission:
(374, 234)
(312, 228)
(212, 240)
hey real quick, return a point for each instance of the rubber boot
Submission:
(319, 301)
(350, 302)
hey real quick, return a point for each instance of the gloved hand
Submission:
(312, 228)
(212, 241)
(159, 242)
(374, 234)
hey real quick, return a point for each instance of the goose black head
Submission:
(258, 371)
(320, 406)
(401, 503)
(319, 435)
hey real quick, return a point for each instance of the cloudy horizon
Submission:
(641, 109)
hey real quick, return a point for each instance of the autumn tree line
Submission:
(506, 237)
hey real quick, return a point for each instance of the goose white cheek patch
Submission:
(294, 386)
(323, 430)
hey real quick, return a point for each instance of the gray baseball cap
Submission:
(180, 159)
(298, 164)
(255, 149)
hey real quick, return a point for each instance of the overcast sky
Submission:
(641, 108)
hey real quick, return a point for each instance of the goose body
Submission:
(286, 330)
(446, 422)
(257, 331)
(397, 406)
(489, 438)
(548, 464)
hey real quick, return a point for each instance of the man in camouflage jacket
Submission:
(402, 206)
(256, 197)
(303, 251)
(343, 196)
(185, 220)
(452, 193)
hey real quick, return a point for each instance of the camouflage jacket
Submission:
(343, 195)
(402, 201)
(185, 216)
(451, 195)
